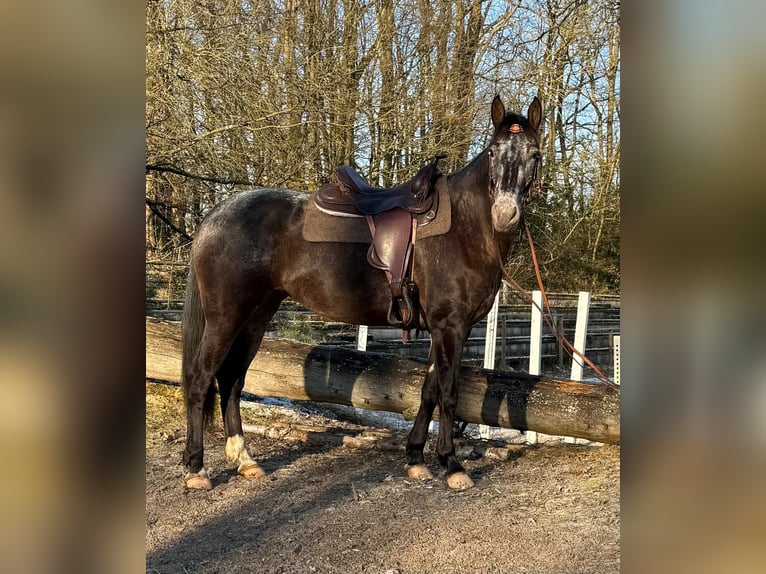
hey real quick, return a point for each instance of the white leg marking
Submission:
(236, 452)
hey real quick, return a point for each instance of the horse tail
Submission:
(192, 328)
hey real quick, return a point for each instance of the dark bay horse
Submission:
(249, 254)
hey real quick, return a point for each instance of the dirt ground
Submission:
(551, 508)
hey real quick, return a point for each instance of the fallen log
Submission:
(389, 383)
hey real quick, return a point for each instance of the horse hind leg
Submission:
(214, 346)
(231, 380)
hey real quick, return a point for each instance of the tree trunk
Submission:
(389, 383)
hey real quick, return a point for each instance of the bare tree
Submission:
(280, 92)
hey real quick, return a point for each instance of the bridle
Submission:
(533, 190)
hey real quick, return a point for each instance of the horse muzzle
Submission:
(505, 214)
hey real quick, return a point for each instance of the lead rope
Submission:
(549, 316)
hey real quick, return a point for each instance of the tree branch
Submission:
(168, 168)
(153, 206)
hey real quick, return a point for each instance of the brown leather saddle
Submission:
(393, 215)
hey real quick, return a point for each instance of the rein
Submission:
(548, 316)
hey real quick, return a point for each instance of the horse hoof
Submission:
(459, 481)
(251, 471)
(419, 472)
(198, 481)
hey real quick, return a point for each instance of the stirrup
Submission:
(402, 312)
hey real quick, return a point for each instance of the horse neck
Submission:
(469, 190)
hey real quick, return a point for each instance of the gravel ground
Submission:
(551, 508)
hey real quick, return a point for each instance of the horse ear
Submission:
(535, 113)
(498, 112)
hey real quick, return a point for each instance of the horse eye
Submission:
(490, 152)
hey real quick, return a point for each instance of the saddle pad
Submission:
(319, 227)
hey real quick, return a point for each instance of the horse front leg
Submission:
(448, 351)
(416, 441)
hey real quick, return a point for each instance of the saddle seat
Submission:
(352, 196)
(393, 215)
(414, 196)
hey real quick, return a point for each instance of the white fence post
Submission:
(536, 334)
(490, 340)
(490, 344)
(535, 346)
(581, 330)
(361, 338)
(616, 340)
(361, 345)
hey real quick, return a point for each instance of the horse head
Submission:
(514, 155)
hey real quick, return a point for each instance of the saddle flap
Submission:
(391, 244)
